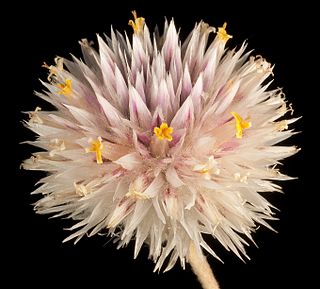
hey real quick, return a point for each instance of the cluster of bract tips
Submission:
(161, 142)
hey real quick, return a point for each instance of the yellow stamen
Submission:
(241, 124)
(66, 88)
(204, 171)
(282, 125)
(96, 147)
(163, 132)
(222, 33)
(137, 24)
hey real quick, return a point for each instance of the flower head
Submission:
(161, 142)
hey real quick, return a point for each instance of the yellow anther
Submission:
(204, 171)
(137, 24)
(229, 83)
(66, 88)
(222, 33)
(163, 132)
(282, 125)
(241, 124)
(96, 147)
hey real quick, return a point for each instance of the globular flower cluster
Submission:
(161, 141)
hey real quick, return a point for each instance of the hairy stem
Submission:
(201, 268)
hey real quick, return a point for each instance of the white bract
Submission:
(161, 142)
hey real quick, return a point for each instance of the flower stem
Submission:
(201, 268)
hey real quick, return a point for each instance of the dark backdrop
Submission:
(34, 253)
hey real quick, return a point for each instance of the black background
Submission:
(34, 253)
